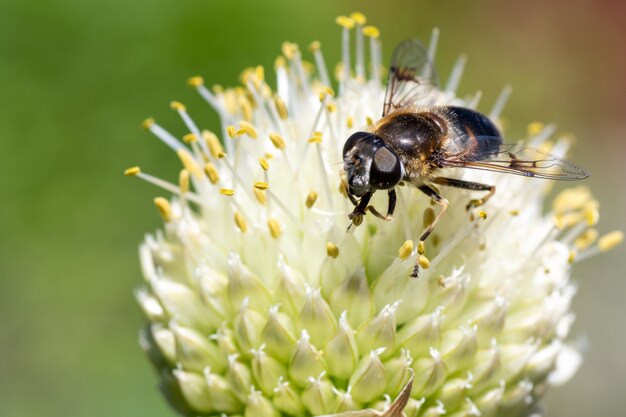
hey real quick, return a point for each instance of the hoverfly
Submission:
(409, 144)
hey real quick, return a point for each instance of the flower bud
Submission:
(366, 380)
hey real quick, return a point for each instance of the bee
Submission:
(410, 144)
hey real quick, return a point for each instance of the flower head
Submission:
(261, 304)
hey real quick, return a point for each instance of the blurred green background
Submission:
(78, 77)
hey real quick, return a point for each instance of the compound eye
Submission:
(386, 170)
(353, 140)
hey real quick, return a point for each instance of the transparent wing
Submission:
(489, 154)
(411, 75)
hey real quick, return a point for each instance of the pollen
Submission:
(132, 171)
(164, 208)
(231, 131)
(183, 181)
(248, 129)
(281, 108)
(195, 82)
(332, 250)
(423, 262)
(290, 50)
(277, 141)
(310, 199)
(211, 172)
(213, 143)
(331, 107)
(227, 191)
(421, 247)
(535, 128)
(314, 46)
(148, 123)
(240, 221)
(586, 239)
(345, 22)
(405, 250)
(359, 18)
(261, 185)
(178, 106)
(610, 240)
(264, 164)
(482, 215)
(371, 31)
(190, 138)
(274, 227)
(189, 162)
(315, 139)
(369, 121)
(349, 122)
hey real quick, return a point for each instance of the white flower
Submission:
(261, 304)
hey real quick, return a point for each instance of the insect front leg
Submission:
(390, 207)
(359, 211)
(444, 206)
(467, 185)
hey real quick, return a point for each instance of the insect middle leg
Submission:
(468, 185)
(444, 206)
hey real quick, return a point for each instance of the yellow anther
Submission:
(281, 108)
(610, 240)
(429, 217)
(221, 155)
(274, 227)
(259, 71)
(345, 22)
(246, 108)
(178, 106)
(261, 185)
(569, 219)
(196, 81)
(423, 262)
(318, 134)
(264, 164)
(405, 250)
(329, 91)
(290, 50)
(572, 199)
(260, 196)
(277, 141)
(183, 181)
(227, 191)
(482, 215)
(189, 163)
(132, 171)
(322, 96)
(421, 247)
(331, 107)
(164, 207)
(332, 250)
(534, 128)
(514, 212)
(369, 121)
(280, 63)
(310, 199)
(558, 222)
(314, 46)
(268, 155)
(248, 129)
(359, 18)
(371, 31)
(571, 257)
(241, 223)
(148, 123)
(217, 89)
(246, 75)
(211, 172)
(213, 143)
(592, 216)
(349, 122)
(315, 139)
(586, 239)
(231, 131)
(189, 138)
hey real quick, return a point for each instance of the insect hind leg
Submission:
(468, 185)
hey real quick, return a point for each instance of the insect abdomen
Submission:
(471, 129)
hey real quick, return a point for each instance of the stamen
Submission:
(284, 208)
(193, 128)
(211, 172)
(423, 262)
(240, 221)
(310, 199)
(432, 51)
(163, 135)
(347, 25)
(421, 247)
(605, 244)
(498, 106)
(167, 186)
(375, 54)
(183, 181)
(164, 207)
(213, 143)
(473, 102)
(227, 191)
(189, 163)
(457, 72)
(198, 84)
(277, 141)
(360, 20)
(281, 108)
(320, 63)
(132, 171)
(332, 250)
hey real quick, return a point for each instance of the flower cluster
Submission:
(261, 304)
